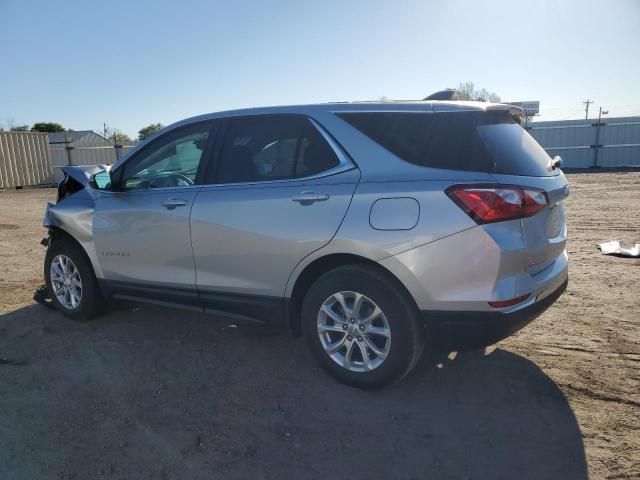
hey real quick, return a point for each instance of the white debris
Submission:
(613, 248)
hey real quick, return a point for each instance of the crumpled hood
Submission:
(82, 173)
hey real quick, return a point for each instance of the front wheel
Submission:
(71, 283)
(362, 327)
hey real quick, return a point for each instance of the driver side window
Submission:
(171, 161)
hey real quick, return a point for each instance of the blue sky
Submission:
(131, 63)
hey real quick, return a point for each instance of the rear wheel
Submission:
(362, 327)
(71, 283)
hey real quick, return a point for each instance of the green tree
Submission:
(119, 137)
(149, 130)
(47, 127)
(122, 137)
(467, 91)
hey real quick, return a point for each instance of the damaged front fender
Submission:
(73, 212)
(77, 177)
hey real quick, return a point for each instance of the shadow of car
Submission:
(158, 392)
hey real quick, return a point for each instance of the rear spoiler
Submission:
(448, 106)
(516, 112)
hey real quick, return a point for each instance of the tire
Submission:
(90, 303)
(406, 333)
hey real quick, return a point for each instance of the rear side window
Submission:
(273, 147)
(472, 141)
(515, 151)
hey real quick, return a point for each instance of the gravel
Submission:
(154, 393)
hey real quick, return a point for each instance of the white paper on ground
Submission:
(613, 248)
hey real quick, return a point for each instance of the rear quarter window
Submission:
(473, 141)
(514, 151)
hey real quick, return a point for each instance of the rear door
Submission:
(520, 160)
(277, 190)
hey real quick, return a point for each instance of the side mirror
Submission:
(101, 181)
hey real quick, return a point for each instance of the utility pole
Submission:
(115, 145)
(104, 130)
(68, 148)
(586, 109)
(600, 113)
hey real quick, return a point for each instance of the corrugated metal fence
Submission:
(78, 154)
(25, 159)
(612, 142)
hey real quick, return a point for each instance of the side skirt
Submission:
(256, 309)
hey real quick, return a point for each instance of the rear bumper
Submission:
(467, 330)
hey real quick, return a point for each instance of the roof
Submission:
(394, 105)
(82, 136)
(59, 137)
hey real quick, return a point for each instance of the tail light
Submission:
(497, 203)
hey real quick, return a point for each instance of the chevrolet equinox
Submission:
(376, 230)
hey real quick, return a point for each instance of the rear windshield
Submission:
(473, 141)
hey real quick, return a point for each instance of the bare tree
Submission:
(11, 122)
(116, 135)
(467, 91)
(13, 126)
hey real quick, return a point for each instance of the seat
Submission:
(314, 160)
(238, 166)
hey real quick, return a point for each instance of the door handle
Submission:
(172, 203)
(307, 198)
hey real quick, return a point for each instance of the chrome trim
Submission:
(141, 190)
(340, 153)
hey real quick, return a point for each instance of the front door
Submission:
(141, 227)
(280, 192)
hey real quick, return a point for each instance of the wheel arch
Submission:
(319, 267)
(57, 234)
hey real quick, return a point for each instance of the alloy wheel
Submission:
(66, 282)
(354, 331)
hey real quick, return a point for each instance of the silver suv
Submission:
(375, 229)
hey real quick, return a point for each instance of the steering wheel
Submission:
(176, 180)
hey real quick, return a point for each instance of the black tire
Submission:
(407, 331)
(91, 302)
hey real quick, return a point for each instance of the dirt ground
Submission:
(161, 394)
